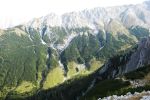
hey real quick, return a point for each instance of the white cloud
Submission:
(18, 11)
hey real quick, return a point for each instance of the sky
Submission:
(14, 12)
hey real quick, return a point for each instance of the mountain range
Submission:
(47, 55)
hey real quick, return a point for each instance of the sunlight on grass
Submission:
(54, 77)
(71, 69)
(25, 87)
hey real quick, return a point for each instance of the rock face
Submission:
(130, 15)
(141, 57)
(136, 58)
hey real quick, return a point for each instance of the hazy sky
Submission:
(14, 12)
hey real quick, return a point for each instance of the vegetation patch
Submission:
(105, 88)
(54, 78)
(25, 87)
(140, 73)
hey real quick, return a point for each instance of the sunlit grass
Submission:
(25, 87)
(54, 77)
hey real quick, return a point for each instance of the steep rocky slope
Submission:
(121, 64)
(130, 67)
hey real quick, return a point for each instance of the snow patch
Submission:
(60, 64)
(101, 48)
(43, 42)
(30, 38)
(52, 46)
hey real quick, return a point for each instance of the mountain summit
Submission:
(128, 15)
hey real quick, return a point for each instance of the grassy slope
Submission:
(74, 87)
(54, 77)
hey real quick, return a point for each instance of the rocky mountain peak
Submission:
(128, 15)
(141, 57)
